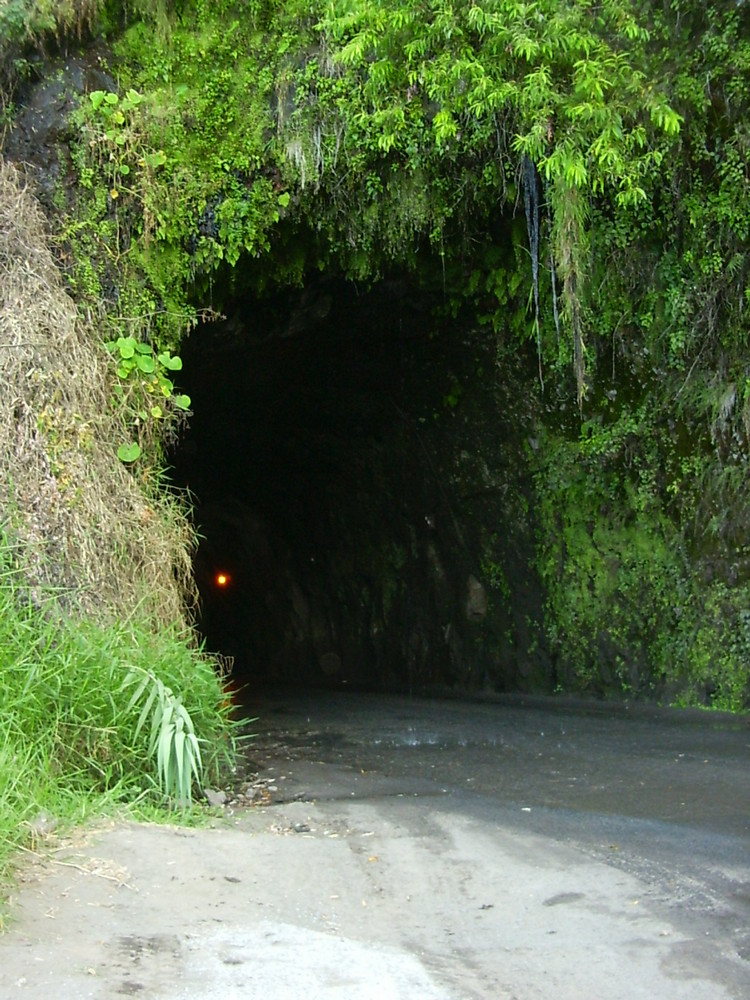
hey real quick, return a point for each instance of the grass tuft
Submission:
(96, 718)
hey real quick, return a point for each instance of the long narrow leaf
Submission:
(156, 720)
(131, 679)
(164, 753)
(195, 759)
(146, 710)
(178, 746)
(187, 796)
(163, 719)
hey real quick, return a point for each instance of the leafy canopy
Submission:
(559, 85)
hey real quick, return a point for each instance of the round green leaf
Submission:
(126, 346)
(129, 452)
(173, 364)
(182, 402)
(146, 364)
(157, 159)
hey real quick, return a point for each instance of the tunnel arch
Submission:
(350, 462)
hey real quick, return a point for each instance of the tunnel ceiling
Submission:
(357, 470)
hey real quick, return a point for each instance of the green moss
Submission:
(626, 612)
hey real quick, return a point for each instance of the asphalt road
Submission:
(662, 796)
(432, 850)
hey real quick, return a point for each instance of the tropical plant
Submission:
(97, 718)
(172, 741)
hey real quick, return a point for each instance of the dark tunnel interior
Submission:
(329, 456)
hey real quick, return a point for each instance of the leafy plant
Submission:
(172, 742)
(75, 740)
(626, 611)
(576, 174)
(139, 363)
(557, 85)
(136, 358)
(118, 138)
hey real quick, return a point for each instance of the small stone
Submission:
(476, 600)
(42, 825)
(214, 798)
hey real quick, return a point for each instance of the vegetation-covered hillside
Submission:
(574, 176)
(105, 700)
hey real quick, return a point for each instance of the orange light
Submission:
(222, 579)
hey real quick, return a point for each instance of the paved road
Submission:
(420, 850)
(661, 796)
(685, 769)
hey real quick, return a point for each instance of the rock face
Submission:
(362, 481)
(38, 138)
(362, 475)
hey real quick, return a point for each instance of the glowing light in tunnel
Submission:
(222, 579)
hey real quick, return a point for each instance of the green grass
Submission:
(97, 719)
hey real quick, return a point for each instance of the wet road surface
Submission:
(691, 769)
(663, 795)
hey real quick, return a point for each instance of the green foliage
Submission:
(376, 130)
(494, 573)
(129, 452)
(609, 577)
(170, 188)
(560, 84)
(142, 373)
(271, 140)
(73, 734)
(626, 612)
(714, 648)
(692, 241)
(172, 742)
(377, 127)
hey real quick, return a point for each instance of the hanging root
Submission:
(532, 208)
(569, 242)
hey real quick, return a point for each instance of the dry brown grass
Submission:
(84, 523)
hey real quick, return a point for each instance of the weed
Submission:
(75, 700)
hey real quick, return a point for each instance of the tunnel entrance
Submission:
(352, 522)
